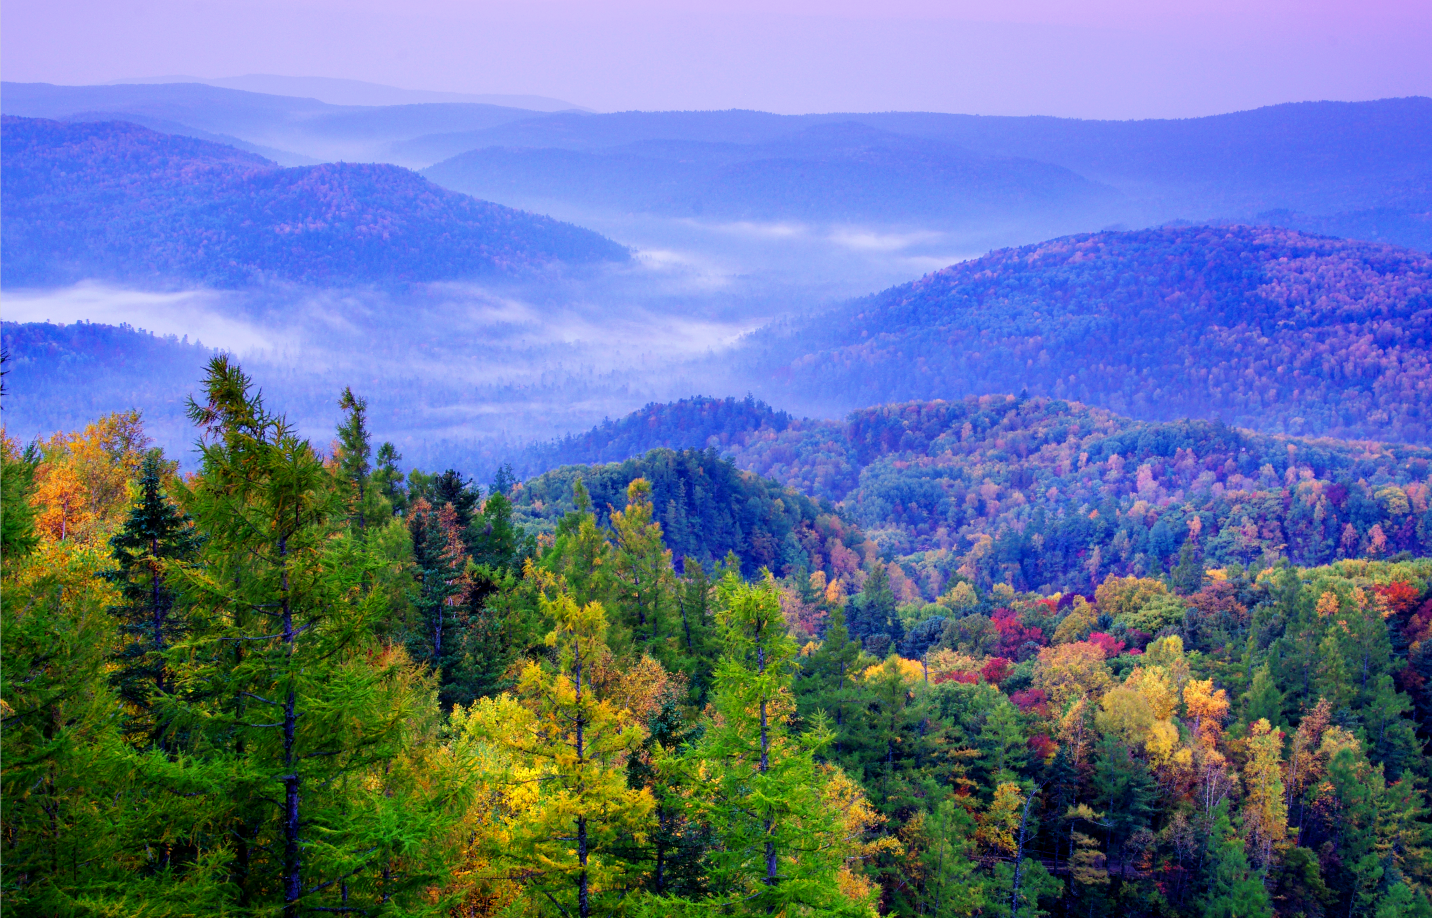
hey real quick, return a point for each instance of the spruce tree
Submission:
(1233, 889)
(156, 536)
(354, 452)
(827, 686)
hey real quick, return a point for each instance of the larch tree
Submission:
(568, 814)
(300, 705)
(779, 849)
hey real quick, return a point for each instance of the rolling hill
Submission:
(1266, 328)
(1045, 493)
(118, 201)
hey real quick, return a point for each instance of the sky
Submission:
(1096, 59)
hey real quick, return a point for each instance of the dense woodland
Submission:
(296, 681)
(116, 201)
(1265, 328)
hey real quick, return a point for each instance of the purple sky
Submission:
(1102, 59)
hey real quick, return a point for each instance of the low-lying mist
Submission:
(455, 373)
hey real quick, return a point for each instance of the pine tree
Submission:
(875, 621)
(1233, 890)
(355, 449)
(678, 844)
(1264, 700)
(697, 637)
(826, 686)
(387, 479)
(440, 561)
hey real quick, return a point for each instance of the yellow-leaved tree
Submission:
(564, 826)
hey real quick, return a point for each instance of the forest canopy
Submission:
(298, 681)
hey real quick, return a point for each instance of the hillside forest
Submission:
(295, 681)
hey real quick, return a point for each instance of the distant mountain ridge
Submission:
(117, 201)
(1267, 328)
(843, 171)
(1359, 169)
(1352, 169)
(293, 130)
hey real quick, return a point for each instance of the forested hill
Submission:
(117, 201)
(1044, 493)
(1265, 328)
(707, 508)
(697, 422)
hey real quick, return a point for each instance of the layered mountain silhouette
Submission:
(113, 200)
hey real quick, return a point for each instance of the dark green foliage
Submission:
(156, 536)
(387, 479)
(826, 685)
(1233, 889)
(678, 844)
(691, 423)
(706, 508)
(17, 516)
(874, 620)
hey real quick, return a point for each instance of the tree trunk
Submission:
(292, 862)
(1019, 855)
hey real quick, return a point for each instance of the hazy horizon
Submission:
(1109, 60)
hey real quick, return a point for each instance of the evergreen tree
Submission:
(1233, 890)
(441, 562)
(1264, 700)
(387, 479)
(875, 620)
(826, 686)
(1187, 576)
(496, 542)
(353, 456)
(697, 638)
(678, 844)
(156, 535)
(17, 517)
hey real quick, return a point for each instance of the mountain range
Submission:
(1352, 169)
(113, 200)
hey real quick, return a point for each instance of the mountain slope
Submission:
(1050, 494)
(1266, 328)
(115, 200)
